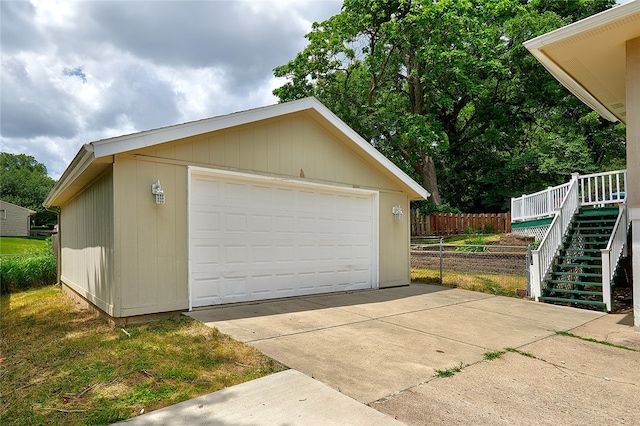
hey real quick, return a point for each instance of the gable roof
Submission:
(94, 157)
(588, 57)
(29, 212)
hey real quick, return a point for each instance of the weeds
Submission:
(21, 272)
(523, 353)
(473, 245)
(602, 342)
(489, 356)
(449, 371)
(66, 367)
(496, 284)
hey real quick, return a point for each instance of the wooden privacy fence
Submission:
(461, 223)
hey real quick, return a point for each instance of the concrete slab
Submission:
(554, 317)
(480, 328)
(248, 323)
(389, 302)
(579, 357)
(612, 328)
(385, 346)
(369, 360)
(286, 398)
(515, 390)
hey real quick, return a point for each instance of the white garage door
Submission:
(254, 238)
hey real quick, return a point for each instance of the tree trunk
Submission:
(430, 180)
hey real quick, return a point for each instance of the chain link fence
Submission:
(495, 269)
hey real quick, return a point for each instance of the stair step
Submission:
(576, 274)
(578, 283)
(577, 265)
(571, 291)
(576, 244)
(584, 258)
(602, 211)
(584, 250)
(590, 234)
(575, 301)
(599, 223)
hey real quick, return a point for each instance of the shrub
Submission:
(30, 270)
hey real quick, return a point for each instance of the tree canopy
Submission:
(24, 182)
(447, 91)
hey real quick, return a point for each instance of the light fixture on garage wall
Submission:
(397, 212)
(156, 190)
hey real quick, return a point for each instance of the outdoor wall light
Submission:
(397, 212)
(156, 190)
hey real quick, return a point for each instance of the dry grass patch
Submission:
(63, 366)
(501, 285)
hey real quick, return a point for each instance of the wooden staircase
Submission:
(576, 274)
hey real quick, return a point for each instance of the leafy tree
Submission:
(24, 182)
(447, 91)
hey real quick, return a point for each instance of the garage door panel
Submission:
(258, 241)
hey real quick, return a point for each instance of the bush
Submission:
(21, 272)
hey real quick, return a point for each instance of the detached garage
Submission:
(275, 202)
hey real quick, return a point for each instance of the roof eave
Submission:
(572, 85)
(79, 164)
(537, 47)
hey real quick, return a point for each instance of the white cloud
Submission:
(74, 72)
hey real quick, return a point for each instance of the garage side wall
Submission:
(87, 244)
(394, 241)
(151, 238)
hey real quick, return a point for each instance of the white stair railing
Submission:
(540, 204)
(599, 189)
(542, 258)
(615, 250)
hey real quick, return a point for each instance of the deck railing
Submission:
(538, 205)
(594, 190)
(615, 250)
(603, 188)
(542, 258)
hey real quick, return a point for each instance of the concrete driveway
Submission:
(383, 348)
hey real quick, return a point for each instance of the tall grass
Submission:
(20, 272)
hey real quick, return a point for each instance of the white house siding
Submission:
(14, 220)
(87, 241)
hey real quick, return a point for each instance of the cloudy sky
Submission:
(78, 71)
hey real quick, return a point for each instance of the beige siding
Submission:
(151, 239)
(394, 241)
(151, 243)
(14, 220)
(87, 241)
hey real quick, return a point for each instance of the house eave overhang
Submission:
(103, 151)
(588, 57)
(81, 162)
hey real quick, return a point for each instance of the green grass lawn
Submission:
(15, 245)
(60, 365)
